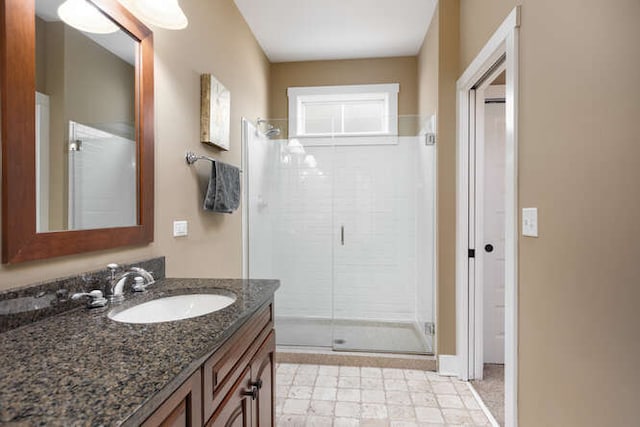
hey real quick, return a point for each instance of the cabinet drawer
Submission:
(183, 408)
(224, 368)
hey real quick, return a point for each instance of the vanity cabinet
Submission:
(183, 408)
(235, 386)
(263, 378)
(236, 409)
(250, 401)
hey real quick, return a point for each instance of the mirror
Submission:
(77, 174)
(86, 165)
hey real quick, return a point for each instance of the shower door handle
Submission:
(342, 235)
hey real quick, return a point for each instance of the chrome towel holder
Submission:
(192, 157)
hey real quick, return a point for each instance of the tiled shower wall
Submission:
(383, 197)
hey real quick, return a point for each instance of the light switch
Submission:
(530, 222)
(180, 228)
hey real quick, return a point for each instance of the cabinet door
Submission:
(263, 378)
(235, 409)
(183, 408)
(224, 367)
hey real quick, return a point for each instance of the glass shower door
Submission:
(375, 256)
(305, 242)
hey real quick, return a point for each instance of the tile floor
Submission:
(327, 395)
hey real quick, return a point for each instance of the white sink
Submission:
(172, 308)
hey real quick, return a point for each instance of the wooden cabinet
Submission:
(183, 408)
(234, 387)
(235, 410)
(263, 378)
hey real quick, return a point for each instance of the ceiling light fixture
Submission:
(84, 16)
(160, 13)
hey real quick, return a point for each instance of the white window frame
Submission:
(298, 96)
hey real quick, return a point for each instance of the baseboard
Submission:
(448, 365)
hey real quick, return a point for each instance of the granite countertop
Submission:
(82, 368)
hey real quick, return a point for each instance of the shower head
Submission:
(269, 130)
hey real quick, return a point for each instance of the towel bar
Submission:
(192, 157)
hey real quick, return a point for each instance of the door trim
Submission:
(503, 42)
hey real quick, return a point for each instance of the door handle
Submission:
(488, 247)
(342, 235)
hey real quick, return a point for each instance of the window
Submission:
(363, 110)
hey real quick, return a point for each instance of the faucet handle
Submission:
(96, 299)
(139, 285)
(147, 275)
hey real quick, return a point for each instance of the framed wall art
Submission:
(215, 112)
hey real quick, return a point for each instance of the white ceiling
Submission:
(305, 30)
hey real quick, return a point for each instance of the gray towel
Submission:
(223, 193)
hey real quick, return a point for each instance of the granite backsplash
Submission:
(38, 301)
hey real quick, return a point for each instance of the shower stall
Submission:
(347, 224)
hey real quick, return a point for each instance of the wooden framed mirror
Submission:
(65, 201)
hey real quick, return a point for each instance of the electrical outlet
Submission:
(180, 228)
(530, 222)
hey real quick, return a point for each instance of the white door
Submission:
(494, 225)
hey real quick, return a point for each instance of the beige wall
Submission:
(578, 155)
(428, 69)
(41, 55)
(344, 72)
(217, 41)
(437, 74)
(449, 11)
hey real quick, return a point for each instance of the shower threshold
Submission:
(327, 356)
(352, 336)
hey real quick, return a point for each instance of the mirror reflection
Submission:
(86, 151)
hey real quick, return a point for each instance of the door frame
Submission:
(504, 42)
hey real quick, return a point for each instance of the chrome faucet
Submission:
(95, 298)
(115, 288)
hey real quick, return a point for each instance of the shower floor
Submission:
(352, 335)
